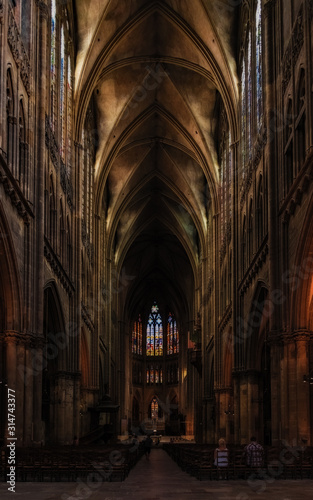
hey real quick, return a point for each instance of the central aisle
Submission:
(159, 479)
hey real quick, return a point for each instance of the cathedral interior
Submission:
(156, 219)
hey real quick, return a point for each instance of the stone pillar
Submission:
(284, 385)
(303, 389)
(273, 232)
(33, 424)
(236, 380)
(20, 387)
(75, 334)
(292, 388)
(28, 407)
(2, 66)
(255, 424)
(38, 428)
(244, 422)
(10, 342)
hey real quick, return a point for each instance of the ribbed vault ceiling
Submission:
(156, 71)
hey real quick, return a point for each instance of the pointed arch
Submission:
(10, 111)
(85, 361)
(10, 289)
(301, 276)
(257, 327)
(54, 328)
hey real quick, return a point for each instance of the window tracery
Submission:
(154, 345)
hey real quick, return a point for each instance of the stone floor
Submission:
(159, 479)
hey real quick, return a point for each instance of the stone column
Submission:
(20, 387)
(28, 408)
(302, 388)
(292, 388)
(244, 423)
(38, 428)
(284, 385)
(75, 330)
(255, 425)
(39, 230)
(2, 65)
(10, 342)
(273, 232)
(236, 380)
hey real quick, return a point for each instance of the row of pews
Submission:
(276, 463)
(93, 464)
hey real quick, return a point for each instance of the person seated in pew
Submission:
(221, 454)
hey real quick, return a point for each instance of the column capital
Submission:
(268, 7)
(43, 9)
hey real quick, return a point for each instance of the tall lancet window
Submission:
(246, 102)
(53, 76)
(154, 333)
(69, 115)
(172, 336)
(249, 96)
(137, 337)
(62, 94)
(259, 69)
(243, 115)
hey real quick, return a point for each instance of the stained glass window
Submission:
(53, 63)
(243, 115)
(259, 72)
(62, 93)
(83, 179)
(154, 344)
(172, 336)
(249, 110)
(69, 114)
(154, 408)
(88, 173)
(137, 337)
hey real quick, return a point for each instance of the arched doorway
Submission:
(259, 369)
(54, 363)
(266, 396)
(12, 343)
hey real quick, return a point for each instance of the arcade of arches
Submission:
(156, 219)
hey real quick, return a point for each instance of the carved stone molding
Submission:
(255, 267)
(267, 8)
(58, 163)
(14, 192)
(295, 336)
(302, 184)
(19, 52)
(43, 9)
(310, 8)
(51, 144)
(87, 318)
(22, 338)
(293, 50)
(58, 269)
(210, 284)
(87, 243)
(225, 319)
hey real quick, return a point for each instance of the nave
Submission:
(160, 478)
